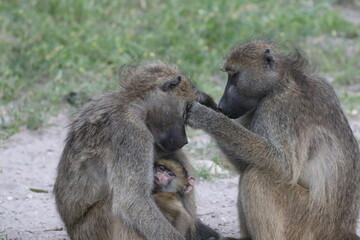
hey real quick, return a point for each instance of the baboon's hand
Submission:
(200, 116)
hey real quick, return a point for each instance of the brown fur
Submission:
(296, 154)
(105, 174)
(198, 230)
(173, 210)
(171, 202)
(180, 171)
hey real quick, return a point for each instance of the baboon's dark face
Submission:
(252, 74)
(167, 124)
(172, 137)
(166, 112)
(233, 103)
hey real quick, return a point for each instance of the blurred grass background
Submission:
(56, 52)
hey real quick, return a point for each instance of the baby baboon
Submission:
(105, 174)
(202, 231)
(294, 149)
(171, 183)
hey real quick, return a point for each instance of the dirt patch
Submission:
(351, 14)
(29, 160)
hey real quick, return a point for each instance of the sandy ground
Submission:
(29, 160)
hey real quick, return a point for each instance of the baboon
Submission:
(105, 174)
(171, 183)
(296, 154)
(202, 231)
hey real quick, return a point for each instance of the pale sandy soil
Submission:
(29, 160)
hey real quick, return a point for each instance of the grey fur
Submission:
(105, 174)
(296, 154)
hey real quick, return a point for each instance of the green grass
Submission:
(53, 49)
(3, 236)
(350, 102)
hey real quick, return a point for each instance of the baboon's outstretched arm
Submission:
(243, 144)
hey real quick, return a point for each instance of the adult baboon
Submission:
(294, 149)
(105, 174)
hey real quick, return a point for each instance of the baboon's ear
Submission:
(269, 59)
(171, 84)
(190, 185)
(206, 99)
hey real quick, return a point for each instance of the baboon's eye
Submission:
(233, 78)
(162, 168)
(171, 174)
(233, 74)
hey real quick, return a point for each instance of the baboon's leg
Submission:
(124, 232)
(273, 210)
(264, 216)
(95, 225)
(243, 228)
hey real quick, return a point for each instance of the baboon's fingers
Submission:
(206, 99)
